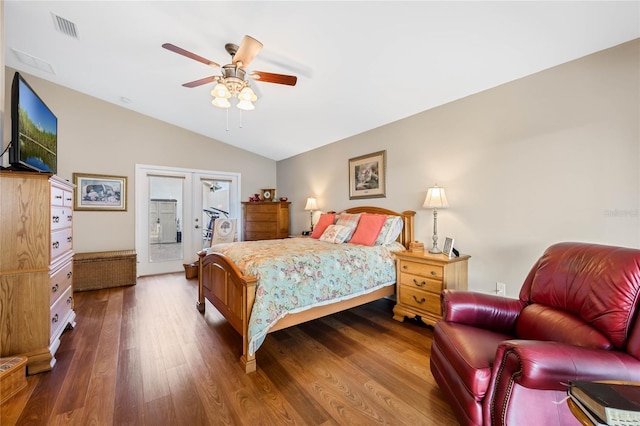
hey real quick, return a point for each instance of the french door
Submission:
(175, 209)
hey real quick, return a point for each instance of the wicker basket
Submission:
(94, 271)
(191, 270)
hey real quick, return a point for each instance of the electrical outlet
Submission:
(501, 289)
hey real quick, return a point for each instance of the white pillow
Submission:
(390, 230)
(336, 234)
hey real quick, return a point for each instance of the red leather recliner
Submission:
(504, 361)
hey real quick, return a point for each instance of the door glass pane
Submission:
(215, 204)
(165, 218)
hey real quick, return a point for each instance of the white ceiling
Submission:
(360, 65)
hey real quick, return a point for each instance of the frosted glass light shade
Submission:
(247, 94)
(221, 103)
(246, 105)
(221, 91)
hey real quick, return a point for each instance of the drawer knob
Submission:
(69, 300)
(419, 283)
(54, 289)
(421, 301)
(54, 319)
(59, 197)
(69, 218)
(69, 274)
(56, 244)
(433, 272)
(405, 267)
(69, 239)
(55, 219)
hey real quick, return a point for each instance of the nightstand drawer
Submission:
(420, 282)
(423, 269)
(422, 300)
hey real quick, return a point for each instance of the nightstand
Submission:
(421, 277)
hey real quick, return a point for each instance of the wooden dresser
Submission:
(36, 266)
(266, 220)
(421, 276)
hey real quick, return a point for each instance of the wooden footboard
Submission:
(233, 294)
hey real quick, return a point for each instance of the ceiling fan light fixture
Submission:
(221, 91)
(246, 105)
(221, 103)
(247, 94)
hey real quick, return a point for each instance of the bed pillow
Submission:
(368, 229)
(348, 219)
(336, 234)
(390, 230)
(325, 220)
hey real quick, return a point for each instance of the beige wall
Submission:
(98, 137)
(551, 157)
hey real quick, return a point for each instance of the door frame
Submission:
(191, 188)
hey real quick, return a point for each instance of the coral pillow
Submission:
(325, 220)
(368, 229)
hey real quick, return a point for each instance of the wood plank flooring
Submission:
(143, 355)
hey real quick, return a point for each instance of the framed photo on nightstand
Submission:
(448, 246)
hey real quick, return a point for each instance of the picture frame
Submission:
(367, 176)
(448, 246)
(100, 192)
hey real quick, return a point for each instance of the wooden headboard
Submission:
(406, 236)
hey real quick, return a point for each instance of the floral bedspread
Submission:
(296, 274)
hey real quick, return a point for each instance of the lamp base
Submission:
(435, 250)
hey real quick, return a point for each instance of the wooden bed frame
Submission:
(221, 282)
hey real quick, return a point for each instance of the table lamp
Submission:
(311, 206)
(436, 199)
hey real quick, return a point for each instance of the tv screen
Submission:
(34, 130)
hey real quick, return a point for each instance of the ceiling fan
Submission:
(233, 80)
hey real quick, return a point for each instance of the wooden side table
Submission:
(421, 277)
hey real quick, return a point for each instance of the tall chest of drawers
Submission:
(265, 220)
(36, 266)
(421, 277)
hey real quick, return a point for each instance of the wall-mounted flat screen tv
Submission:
(34, 130)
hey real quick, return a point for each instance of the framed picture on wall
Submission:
(100, 192)
(367, 176)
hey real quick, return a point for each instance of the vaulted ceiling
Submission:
(360, 65)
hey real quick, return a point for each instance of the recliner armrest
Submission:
(550, 365)
(487, 311)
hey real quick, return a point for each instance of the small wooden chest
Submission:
(99, 270)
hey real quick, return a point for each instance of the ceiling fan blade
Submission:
(190, 55)
(202, 81)
(248, 50)
(267, 77)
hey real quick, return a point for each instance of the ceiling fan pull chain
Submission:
(227, 110)
(240, 118)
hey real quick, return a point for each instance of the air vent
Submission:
(65, 26)
(32, 61)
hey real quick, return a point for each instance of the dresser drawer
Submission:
(61, 242)
(421, 300)
(57, 196)
(254, 236)
(267, 208)
(60, 312)
(61, 217)
(261, 217)
(260, 227)
(60, 281)
(420, 282)
(423, 269)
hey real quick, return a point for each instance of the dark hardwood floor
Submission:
(143, 355)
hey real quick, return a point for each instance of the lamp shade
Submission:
(221, 103)
(311, 204)
(436, 198)
(221, 91)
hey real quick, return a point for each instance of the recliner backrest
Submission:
(596, 283)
